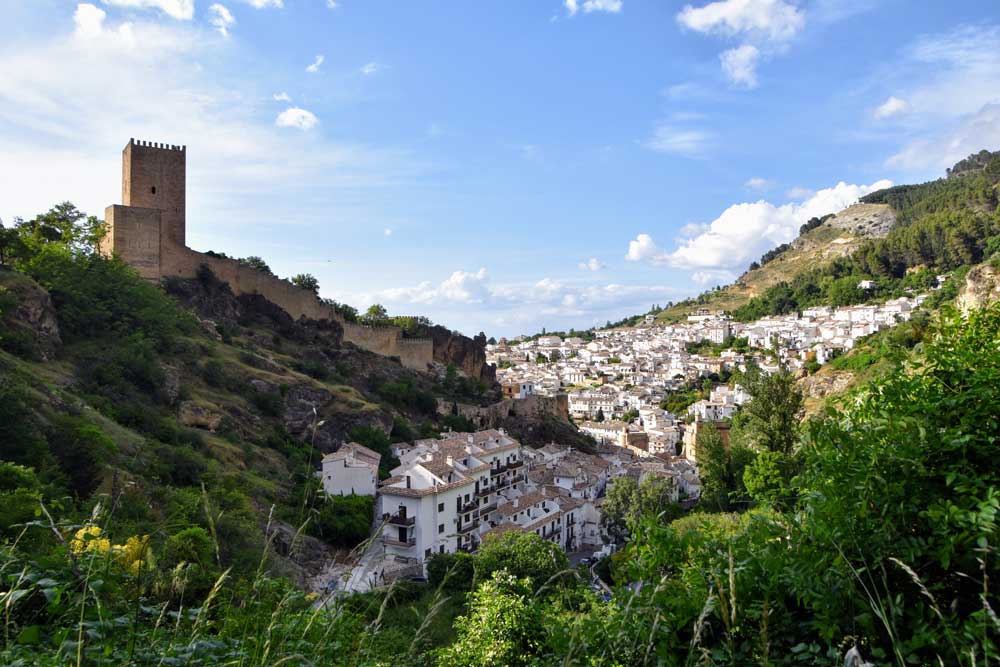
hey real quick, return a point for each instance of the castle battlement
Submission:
(147, 231)
(151, 144)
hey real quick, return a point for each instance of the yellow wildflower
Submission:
(88, 540)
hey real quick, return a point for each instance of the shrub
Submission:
(342, 520)
(455, 572)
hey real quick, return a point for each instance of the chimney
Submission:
(450, 460)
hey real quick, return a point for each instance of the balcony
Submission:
(470, 506)
(514, 464)
(397, 520)
(395, 542)
(485, 491)
(516, 478)
(472, 525)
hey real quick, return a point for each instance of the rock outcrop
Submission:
(982, 286)
(30, 325)
(468, 354)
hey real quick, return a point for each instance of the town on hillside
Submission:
(618, 383)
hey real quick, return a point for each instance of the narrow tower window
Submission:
(154, 189)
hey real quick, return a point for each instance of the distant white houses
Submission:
(351, 470)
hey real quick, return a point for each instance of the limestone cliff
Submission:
(468, 354)
(982, 285)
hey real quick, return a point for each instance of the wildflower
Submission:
(88, 540)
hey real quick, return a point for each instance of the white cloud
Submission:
(386, 232)
(713, 277)
(263, 4)
(221, 19)
(331, 4)
(644, 249)
(891, 107)
(978, 131)
(757, 183)
(312, 69)
(297, 118)
(589, 6)
(282, 97)
(691, 229)
(89, 20)
(178, 9)
(370, 68)
(798, 193)
(740, 65)
(678, 140)
(774, 20)
(527, 306)
(592, 264)
(743, 231)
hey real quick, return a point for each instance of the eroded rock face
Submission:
(33, 319)
(468, 354)
(819, 386)
(982, 286)
(198, 416)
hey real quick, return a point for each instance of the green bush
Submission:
(453, 571)
(342, 520)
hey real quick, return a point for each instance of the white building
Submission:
(351, 470)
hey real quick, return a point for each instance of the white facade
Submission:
(351, 470)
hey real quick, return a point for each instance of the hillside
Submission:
(183, 401)
(899, 237)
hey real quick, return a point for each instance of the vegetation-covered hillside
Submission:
(901, 238)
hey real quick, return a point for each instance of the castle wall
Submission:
(148, 233)
(297, 302)
(154, 176)
(134, 235)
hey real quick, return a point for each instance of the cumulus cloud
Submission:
(758, 24)
(713, 277)
(220, 18)
(297, 118)
(592, 264)
(312, 69)
(386, 232)
(677, 140)
(644, 249)
(178, 9)
(88, 20)
(756, 183)
(282, 97)
(798, 193)
(891, 107)
(740, 65)
(743, 231)
(589, 6)
(545, 302)
(370, 68)
(770, 19)
(331, 4)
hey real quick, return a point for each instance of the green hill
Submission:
(901, 238)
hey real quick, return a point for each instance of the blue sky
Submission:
(497, 165)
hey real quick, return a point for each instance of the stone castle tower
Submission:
(150, 222)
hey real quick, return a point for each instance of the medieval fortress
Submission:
(147, 231)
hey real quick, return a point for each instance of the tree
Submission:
(523, 555)
(768, 479)
(455, 572)
(620, 506)
(11, 245)
(306, 281)
(771, 417)
(502, 628)
(64, 225)
(713, 468)
(255, 262)
(600, 415)
(376, 312)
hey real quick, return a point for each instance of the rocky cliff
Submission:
(982, 285)
(468, 354)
